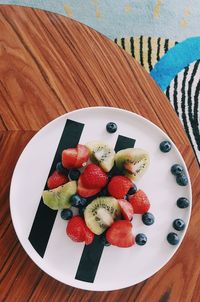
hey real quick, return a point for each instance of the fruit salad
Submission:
(100, 184)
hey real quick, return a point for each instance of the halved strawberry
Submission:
(69, 157)
(119, 186)
(85, 192)
(139, 202)
(126, 209)
(56, 180)
(120, 234)
(82, 156)
(78, 231)
(94, 177)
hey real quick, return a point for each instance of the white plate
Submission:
(118, 267)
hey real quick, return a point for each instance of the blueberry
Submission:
(141, 239)
(179, 224)
(74, 174)
(76, 200)
(132, 190)
(81, 211)
(148, 218)
(83, 201)
(182, 202)
(66, 214)
(61, 169)
(165, 146)
(173, 238)
(182, 180)
(176, 169)
(104, 241)
(111, 127)
(104, 192)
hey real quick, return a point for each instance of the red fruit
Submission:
(126, 209)
(119, 186)
(56, 180)
(120, 234)
(69, 157)
(94, 177)
(85, 192)
(139, 202)
(78, 231)
(82, 156)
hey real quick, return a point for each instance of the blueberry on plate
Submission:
(74, 174)
(66, 214)
(132, 190)
(76, 200)
(111, 127)
(182, 180)
(148, 218)
(182, 202)
(177, 169)
(173, 238)
(83, 202)
(141, 239)
(165, 146)
(104, 240)
(61, 169)
(179, 224)
(81, 211)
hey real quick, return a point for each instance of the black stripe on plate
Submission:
(91, 254)
(45, 217)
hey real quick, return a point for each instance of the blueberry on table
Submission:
(76, 200)
(61, 169)
(179, 224)
(132, 190)
(148, 218)
(66, 214)
(173, 238)
(165, 146)
(111, 127)
(182, 202)
(177, 169)
(74, 174)
(182, 180)
(141, 239)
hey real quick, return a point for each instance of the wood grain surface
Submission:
(50, 65)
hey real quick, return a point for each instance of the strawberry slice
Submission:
(82, 156)
(126, 209)
(78, 231)
(120, 234)
(94, 177)
(85, 192)
(69, 157)
(119, 186)
(139, 202)
(56, 180)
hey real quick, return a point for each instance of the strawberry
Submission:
(140, 202)
(78, 231)
(119, 186)
(94, 177)
(75, 157)
(120, 234)
(85, 192)
(56, 180)
(126, 209)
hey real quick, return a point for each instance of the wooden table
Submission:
(50, 65)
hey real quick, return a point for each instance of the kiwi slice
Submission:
(59, 198)
(101, 154)
(100, 214)
(133, 162)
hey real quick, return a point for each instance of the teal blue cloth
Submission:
(177, 19)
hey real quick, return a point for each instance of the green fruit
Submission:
(101, 154)
(133, 162)
(100, 214)
(59, 198)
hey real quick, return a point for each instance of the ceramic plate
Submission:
(41, 231)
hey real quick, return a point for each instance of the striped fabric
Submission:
(146, 50)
